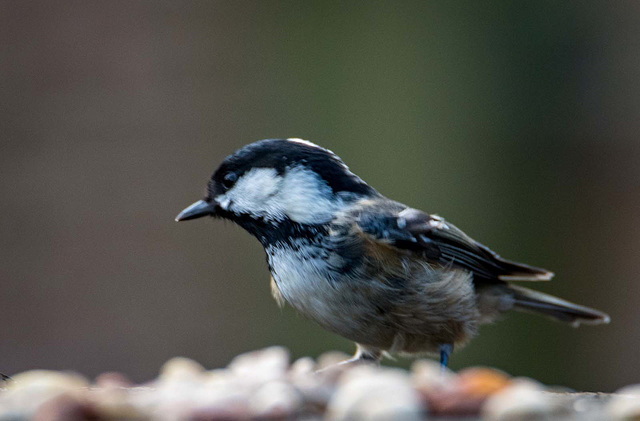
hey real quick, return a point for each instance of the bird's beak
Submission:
(197, 210)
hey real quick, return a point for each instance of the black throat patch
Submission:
(271, 233)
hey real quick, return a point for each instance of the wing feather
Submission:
(443, 243)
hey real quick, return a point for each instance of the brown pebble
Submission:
(65, 408)
(482, 382)
(112, 379)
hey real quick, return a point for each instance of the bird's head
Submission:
(276, 181)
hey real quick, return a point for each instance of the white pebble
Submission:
(27, 391)
(276, 400)
(368, 393)
(625, 404)
(181, 368)
(261, 366)
(428, 375)
(524, 399)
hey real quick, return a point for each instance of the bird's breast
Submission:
(313, 280)
(302, 273)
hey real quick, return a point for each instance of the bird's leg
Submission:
(364, 355)
(445, 351)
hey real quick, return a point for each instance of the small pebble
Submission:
(65, 408)
(112, 380)
(316, 388)
(261, 366)
(28, 391)
(181, 369)
(625, 404)
(522, 400)
(371, 393)
(276, 400)
(482, 382)
(428, 376)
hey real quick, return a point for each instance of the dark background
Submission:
(517, 121)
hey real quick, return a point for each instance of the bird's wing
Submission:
(441, 242)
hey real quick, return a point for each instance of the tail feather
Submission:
(537, 302)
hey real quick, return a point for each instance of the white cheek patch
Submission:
(300, 195)
(253, 194)
(306, 198)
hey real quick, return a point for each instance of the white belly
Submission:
(307, 283)
(431, 308)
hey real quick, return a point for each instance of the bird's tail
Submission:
(537, 302)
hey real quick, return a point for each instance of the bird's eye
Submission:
(228, 179)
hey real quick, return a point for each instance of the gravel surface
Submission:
(266, 385)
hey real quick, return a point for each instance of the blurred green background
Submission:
(517, 121)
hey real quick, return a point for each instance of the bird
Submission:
(393, 279)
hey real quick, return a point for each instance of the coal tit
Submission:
(391, 278)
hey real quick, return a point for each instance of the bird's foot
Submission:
(445, 351)
(362, 356)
